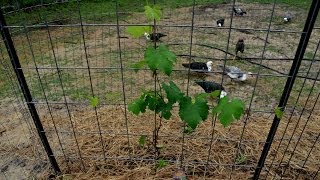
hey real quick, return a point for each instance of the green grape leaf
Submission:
(152, 13)
(202, 95)
(94, 101)
(278, 112)
(193, 113)
(142, 140)
(166, 111)
(151, 102)
(201, 105)
(173, 92)
(188, 130)
(167, 59)
(228, 111)
(161, 58)
(152, 58)
(161, 163)
(215, 93)
(138, 31)
(137, 106)
(138, 65)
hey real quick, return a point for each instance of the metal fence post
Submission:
(26, 92)
(304, 39)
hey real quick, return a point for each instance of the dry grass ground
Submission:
(79, 131)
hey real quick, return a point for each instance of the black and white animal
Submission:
(287, 17)
(209, 87)
(239, 11)
(154, 36)
(199, 66)
(240, 46)
(235, 73)
(220, 22)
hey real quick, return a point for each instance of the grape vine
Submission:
(191, 110)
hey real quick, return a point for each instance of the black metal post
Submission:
(26, 92)
(307, 30)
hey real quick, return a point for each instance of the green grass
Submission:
(104, 11)
(294, 3)
(4, 84)
(99, 11)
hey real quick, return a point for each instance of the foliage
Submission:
(94, 101)
(161, 163)
(279, 113)
(228, 111)
(142, 140)
(191, 111)
(160, 58)
(137, 31)
(241, 159)
(152, 13)
(138, 65)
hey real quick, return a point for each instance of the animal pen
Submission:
(52, 63)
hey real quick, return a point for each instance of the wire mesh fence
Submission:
(73, 50)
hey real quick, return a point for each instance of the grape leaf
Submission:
(167, 59)
(215, 93)
(173, 92)
(193, 113)
(278, 112)
(153, 102)
(202, 107)
(138, 31)
(142, 140)
(138, 105)
(228, 111)
(152, 13)
(161, 58)
(166, 111)
(94, 101)
(138, 65)
(151, 57)
(202, 95)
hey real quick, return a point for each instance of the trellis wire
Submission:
(255, 85)
(312, 16)
(122, 78)
(188, 81)
(291, 114)
(90, 79)
(26, 92)
(90, 68)
(46, 100)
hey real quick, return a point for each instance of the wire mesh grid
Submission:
(81, 54)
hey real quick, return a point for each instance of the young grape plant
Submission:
(192, 110)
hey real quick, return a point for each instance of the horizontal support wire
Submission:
(145, 69)
(111, 133)
(121, 104)
(152, 160)
(160, 25)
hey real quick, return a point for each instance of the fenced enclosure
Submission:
(56, 55)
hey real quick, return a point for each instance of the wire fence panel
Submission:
(73, 51)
